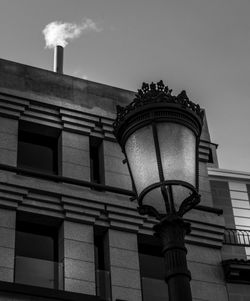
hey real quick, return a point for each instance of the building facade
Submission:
(231, 192)
(68, 227)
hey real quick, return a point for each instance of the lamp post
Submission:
(159, 135)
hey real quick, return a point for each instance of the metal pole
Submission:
(171, 231)
(58, 59)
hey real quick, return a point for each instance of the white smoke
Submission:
(57, 33)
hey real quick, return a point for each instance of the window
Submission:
(99, 250)
(210, 156)
(152, 269)
(96, 160)
(36, 258)
(103, 284)
(38, 148)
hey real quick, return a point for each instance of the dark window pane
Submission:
(151, 258)
(210, 156)
(103, 284)
(154, 289)
(96, 160)
(37, 152)
(99, 253)
(36, 255)
(35, 246)
(38, 272)
(152, 269)
(151, 266)
(36, 242)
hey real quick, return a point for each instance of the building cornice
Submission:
(216, 173)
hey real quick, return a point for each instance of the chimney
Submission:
(58, 59)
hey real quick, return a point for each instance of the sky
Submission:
(201, 46)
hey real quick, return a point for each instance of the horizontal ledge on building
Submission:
(201, 159)
(33, 113)
(100, 187)
(203, 243)
(46, 122)
(40, 211)
(67, 180)
(5, 204)
(133, 228)
(201, 234)
(125, 219)
(216, 173)
(45, 292)
(78, 116)
(76, 121)
(9, 113)
(205, 235)
(80, 218)
(209, 142)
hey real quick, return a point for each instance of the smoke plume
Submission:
(57, 33)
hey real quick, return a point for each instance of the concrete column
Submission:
(8, 141)
(116, 173)
(207, 274)
(204, 185)
(76, 252)
(7, 244)
(124, 266)
(75, 156)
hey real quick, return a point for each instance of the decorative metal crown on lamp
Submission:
(159, 135)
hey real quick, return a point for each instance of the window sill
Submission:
(44, 292)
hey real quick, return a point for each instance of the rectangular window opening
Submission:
(36, 255)
(152, 269)
(103, 283)
(210, 156)
(38, 148)
(96, 160)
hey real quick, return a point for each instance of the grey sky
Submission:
(202, 46)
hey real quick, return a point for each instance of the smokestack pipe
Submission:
(58, 59)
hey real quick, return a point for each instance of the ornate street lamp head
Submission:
(159, 135)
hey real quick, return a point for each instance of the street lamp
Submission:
(159, 135)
